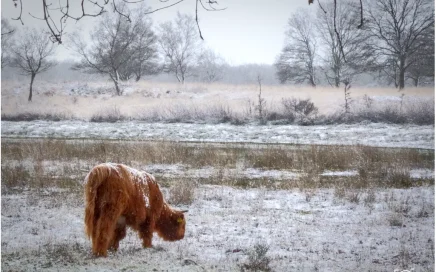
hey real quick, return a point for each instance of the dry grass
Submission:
(210, 103)
(181, 192)
(377, 167)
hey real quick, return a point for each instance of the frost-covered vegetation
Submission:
(216, 103)
(251, 207)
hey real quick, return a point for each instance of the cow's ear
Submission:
(180, 220)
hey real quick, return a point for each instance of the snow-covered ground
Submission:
(373, 134)
(305, 230)
(312, 230)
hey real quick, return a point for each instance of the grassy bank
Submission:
(64, 163)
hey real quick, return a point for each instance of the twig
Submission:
(196, 18)
(337, 32)
(361, 16)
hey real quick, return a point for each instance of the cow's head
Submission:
(171, 224)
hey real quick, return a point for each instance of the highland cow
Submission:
(117, 196)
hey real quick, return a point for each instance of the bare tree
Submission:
(422, 61)
(143, 49)
(358, 55)
(31, 55)
(7, 34)
(210, 66)
(296, 62)
(119, 48)
(180, 46)
(397, 26)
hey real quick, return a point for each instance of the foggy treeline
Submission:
(237, 74)
(392, 46)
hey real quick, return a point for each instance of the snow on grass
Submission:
(421, 173)
(174, 171)
(375, 134)
(45, 232)
(341, 173)
(85, 97)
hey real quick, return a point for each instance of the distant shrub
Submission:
(191, 114)
(303, 111)
(420, 113)
(27, 116)
(111, 116)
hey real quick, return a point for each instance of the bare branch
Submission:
(21, 13)
(196, 18)
(361, 15)
(153, 11)
(341, 47)
(321, 7)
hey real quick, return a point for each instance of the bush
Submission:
(257, 259)
(111, 116)
(303, 111)
(28, 116)
(395, 177)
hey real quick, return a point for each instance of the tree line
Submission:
(122, 46)
(396, 40)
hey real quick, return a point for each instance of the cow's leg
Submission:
(106, 225)
(146, 232)
(119, 234)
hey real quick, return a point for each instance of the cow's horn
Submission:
(184, 211)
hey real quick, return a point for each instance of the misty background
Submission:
(248, 36)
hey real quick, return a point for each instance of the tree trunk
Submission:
(116, 80)
(312, 81)
(31, 85)
(401, 78)
(177, 76)
(182, 75)
(117, 88)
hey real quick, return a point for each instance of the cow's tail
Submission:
(92, 182)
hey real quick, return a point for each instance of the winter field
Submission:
(274, 197)
(209, 103)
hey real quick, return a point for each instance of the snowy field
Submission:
(302, 229)
(323, 228)
(311, 230)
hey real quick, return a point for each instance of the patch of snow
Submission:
(422, 173)
(273, 174)
(341, 173)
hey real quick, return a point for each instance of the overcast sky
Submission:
(248, 31)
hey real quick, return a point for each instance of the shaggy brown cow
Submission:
(118, 196)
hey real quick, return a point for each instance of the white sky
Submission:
(248, 31)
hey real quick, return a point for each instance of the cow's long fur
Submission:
(117, 196)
